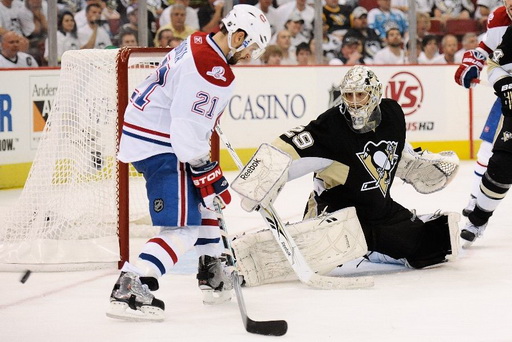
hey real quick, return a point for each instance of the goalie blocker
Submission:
(262, 178)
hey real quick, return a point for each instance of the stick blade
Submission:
(269, 328)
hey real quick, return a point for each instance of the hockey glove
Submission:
(472, 63)
(210, 183)
(503, 88)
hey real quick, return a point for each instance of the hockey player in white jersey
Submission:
(165, 136)
(497, 180)
(491, 183)
(467, 75)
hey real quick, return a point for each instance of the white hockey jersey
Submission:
(497, 24)
(176, 108)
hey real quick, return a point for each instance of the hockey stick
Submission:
(482, 82)
(271, 328)
(289, 247)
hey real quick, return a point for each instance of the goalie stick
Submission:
(289, 247)
(271, 328)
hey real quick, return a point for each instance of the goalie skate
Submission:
(132, 300)
(214, 280)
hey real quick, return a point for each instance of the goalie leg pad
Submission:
(263, 177)
(453, 227)
(326, 242)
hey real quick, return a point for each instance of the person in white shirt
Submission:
(285, 11)
(351, 52)
(10, 16)
(449, 43)
(422, 6)
(67, 37)
(191, 19)
(469, 42)
(283, 39)
(294, 25)
(11, 56)
(93, 35)
(80, 17)
(33, 17)
(429, 50)
(10, 20)
(394, 52)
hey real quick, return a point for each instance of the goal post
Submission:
(80, 205)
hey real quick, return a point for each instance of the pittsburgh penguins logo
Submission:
(497, 55)
(379, 160)
(506, 136)
(158, 205)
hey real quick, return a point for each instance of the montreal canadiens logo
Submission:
(406, 89)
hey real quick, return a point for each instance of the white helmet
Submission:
(361, 93)
(253, 22)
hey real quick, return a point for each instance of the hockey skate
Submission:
(214, 280)
(469, 207)
(132, 300)
(470, 232)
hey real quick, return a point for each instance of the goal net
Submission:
(78, 205)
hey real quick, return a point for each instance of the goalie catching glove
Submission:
(210, 183)
(261, 180)
(427, 172)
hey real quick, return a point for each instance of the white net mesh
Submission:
(67, 212)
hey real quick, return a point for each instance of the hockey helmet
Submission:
(254, 23)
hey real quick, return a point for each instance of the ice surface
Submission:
(466, 300)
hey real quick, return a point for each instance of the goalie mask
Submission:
(361, 93)
(253, 22)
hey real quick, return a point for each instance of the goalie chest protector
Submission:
(369, 160)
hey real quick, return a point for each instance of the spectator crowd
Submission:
(353, 31)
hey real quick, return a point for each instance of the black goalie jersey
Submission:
(363, 165)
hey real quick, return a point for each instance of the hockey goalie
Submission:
(354, 151)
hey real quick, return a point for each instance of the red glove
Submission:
(472, 63)
(210, 183)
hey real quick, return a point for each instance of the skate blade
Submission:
(211, 297)
(467, 244)
(121, 310)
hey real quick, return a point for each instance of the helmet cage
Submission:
(361, 93)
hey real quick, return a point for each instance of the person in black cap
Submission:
(368, 36)
(350, 52)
